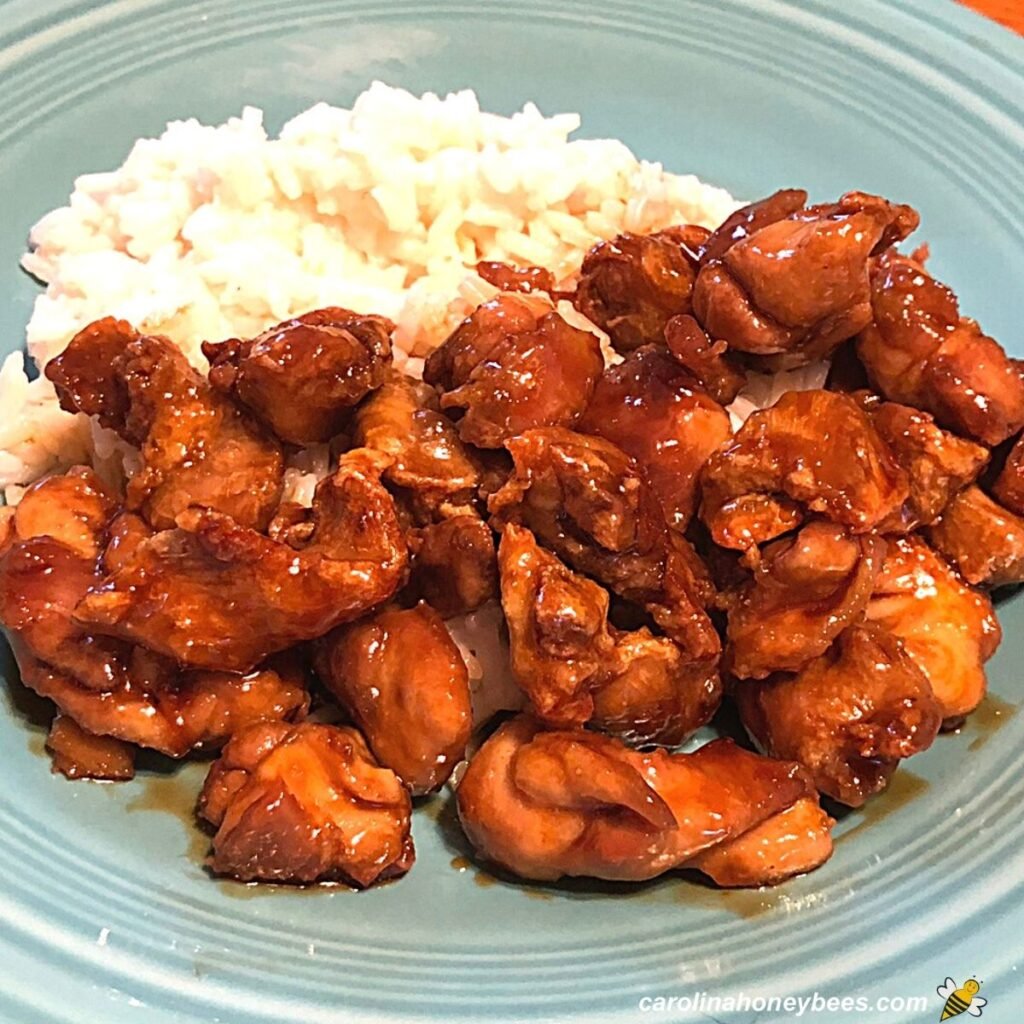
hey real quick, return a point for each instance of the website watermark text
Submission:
(796, 1006)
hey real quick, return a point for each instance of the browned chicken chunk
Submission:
(749, 219)
(849, 717)
(50, 550)
(653, 410)
(975, 388)
(306, 803)
(585, 499)
(558, 629)
(213, 594)
(516, 279)
(197, 447)
(548, 804)
(78, 754)
(436, 477)
(53, 554)
(913, 315)
(938, 464)
(793, 284)
(633, 285)
(176, 713)
(303, 377)
(514, 364)
(650, 692)
(793, 842)
(400, 675)
(576, 668)
(1008, 487)
(708, 361)
(921, 352)
(454, 567)
(982, 540)
(430, 466)
(127, 531)
(949, 629)
(813, 451)
(806, 589)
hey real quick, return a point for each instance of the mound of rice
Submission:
(212, 232)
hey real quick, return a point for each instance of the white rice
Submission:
(213, 232)
(35, 434)
(483, 641)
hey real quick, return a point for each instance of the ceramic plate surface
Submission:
(106, 916)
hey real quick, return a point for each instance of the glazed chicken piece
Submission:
(401, 677)
(436, 478)
(633, 285)
(982, 540)
(51, 544)
(558, 629)
(921, 352)
(938, 464)
(512, 365)
(306, 803)
(806, 589)
(813, 451)
(544, 805)
(849, 717)
(197, 448)
(948, 629)
(214, 594)
(303, 377)
(650, 692)
(78, 754)
(653, 410)
(454, 564)
(913, 315)
(125, 533)
(793, 842)
(56, 551)
(433, 470)
(749, 219)
(710, 363)
(792, 283)
(73, 509)
(1008, 487)
(516, 279)
(171, 712)
(576, 668)
(585, 499)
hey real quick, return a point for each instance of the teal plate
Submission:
(106, 915)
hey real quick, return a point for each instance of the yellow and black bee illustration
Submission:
(964, 998)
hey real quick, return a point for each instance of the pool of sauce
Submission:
(484, 879)
(480, 877)
(264, 890)
(903, 789)
(987, 719)
(745, 903)
(169, 794)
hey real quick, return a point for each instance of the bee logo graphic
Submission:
(959, 999)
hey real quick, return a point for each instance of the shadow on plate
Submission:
(33, 711)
